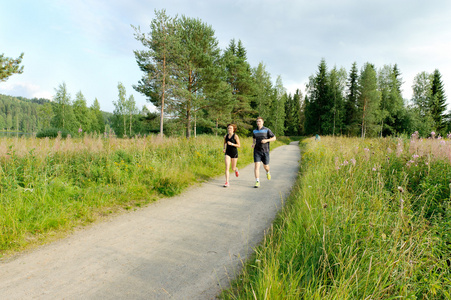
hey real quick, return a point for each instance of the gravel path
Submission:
(185, 247)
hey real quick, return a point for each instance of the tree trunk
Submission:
(363, 119)
(125, 126)
(195, 126)
(162, 96)
(188, 123)
(217, 126)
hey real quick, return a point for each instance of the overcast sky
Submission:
(89, 44)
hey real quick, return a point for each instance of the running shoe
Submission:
(226, 184)
(268, 175)
(257, 184)
(237, 173)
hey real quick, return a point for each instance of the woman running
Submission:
(231, 143)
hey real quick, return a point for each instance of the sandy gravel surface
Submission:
(185, 247)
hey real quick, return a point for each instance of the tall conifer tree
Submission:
(239, 77)
(263, 91)
(351, 120)
(81, 112)
(438, 100)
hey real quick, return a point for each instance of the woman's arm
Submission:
(224, 146)
(238, 144)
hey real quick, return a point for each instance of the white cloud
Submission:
(24, 89)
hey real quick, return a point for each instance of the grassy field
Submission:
(368, 219)
(50, 186)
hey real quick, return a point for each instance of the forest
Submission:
(198, 88)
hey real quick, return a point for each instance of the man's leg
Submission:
(265, 161)
(268, 175)
(257, 170)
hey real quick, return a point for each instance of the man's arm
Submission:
(273, 139)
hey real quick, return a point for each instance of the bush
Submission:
(52, 133)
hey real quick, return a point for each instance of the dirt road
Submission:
(185, 247)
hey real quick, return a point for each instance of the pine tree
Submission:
(319, 119)
(158, 62)
(263, 91)
(10, 66)
(197, 68)
(437, 101)
(242, 84)
(98, 124)
(220, 109)
(81, 113)
(351, 120)
(299, 110)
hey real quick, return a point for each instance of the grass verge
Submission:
(368, 219)
(50, 186)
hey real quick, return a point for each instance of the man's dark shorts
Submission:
(260, 156)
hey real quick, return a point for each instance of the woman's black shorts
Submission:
(232, 152)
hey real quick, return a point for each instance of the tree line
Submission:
(199, 88)
(368, 103)
(19, 114)
(195, 84)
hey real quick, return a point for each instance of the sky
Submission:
(89, 44)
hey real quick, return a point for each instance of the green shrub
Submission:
(52, 133)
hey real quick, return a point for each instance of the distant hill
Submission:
(29, 115)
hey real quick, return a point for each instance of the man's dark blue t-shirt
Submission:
(262, 134)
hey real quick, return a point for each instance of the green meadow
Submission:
(48, 187)
(367, 219)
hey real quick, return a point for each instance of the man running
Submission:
(262, 137)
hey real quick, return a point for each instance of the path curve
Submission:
(184, 247)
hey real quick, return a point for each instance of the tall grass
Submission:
(48, 186)
(368, 219)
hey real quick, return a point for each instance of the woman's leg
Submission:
(234, 160)
(227, 160)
